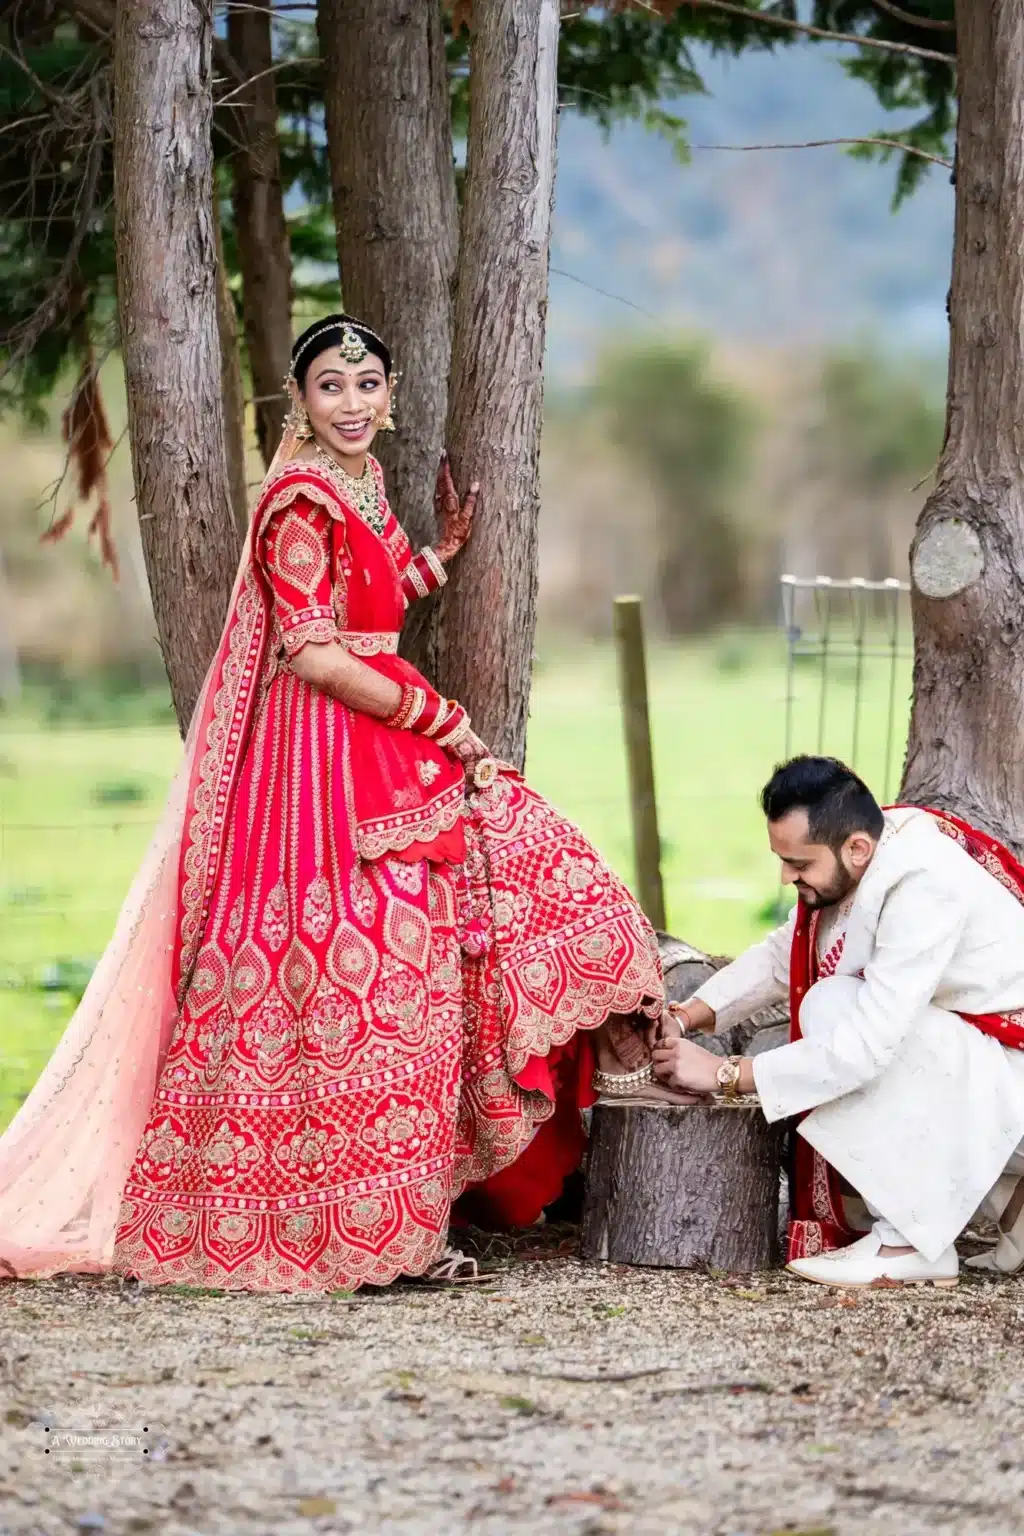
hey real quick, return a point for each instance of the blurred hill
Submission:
(784, 247)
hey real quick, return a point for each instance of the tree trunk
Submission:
(167, 304)
(264, 253)
(232, 389)
(967, 561)
(390, 145)
(488, 614)
(683, 1188)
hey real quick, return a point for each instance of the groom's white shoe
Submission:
(862, 1264)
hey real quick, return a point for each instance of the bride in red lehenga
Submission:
(365, 969)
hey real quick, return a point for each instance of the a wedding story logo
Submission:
(88, 1452)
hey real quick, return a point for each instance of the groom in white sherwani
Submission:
(904, 965)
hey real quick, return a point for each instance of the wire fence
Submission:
(864, 625)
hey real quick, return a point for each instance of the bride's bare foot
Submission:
(625, 1074)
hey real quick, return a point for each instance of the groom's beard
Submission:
(830, 895)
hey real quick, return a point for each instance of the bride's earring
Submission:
(387, 423)
(297, 420)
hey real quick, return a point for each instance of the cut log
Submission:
(688, 1187)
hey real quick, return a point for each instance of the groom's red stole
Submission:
(817, 1219)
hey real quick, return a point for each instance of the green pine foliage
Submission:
(56, 163)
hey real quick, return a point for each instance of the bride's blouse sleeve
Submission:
(298, 556)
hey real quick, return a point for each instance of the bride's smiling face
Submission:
(346, 402)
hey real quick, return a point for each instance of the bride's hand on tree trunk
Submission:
(455, 517)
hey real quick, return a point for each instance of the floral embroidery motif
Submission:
(234, 1229)
(401, 1129)
(364, 897)
(577, 878)
(407, 876)
(175, 1223)
(229, 1152)
(352, 960)
(233, 931)
(428, 771)
(318, 909)
(274, 927)
(407, 933)
(164, 1148)
(311, 1149)
(299, 974)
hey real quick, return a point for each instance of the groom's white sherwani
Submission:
(918, 1109)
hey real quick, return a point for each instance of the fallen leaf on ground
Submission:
(569, 1499)
(317, 1505)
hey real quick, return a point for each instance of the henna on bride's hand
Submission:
(455, 517)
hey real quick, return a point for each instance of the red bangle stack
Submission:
(409, 711)
(430, 715)
(423, 575)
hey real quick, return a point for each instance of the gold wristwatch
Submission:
(728, 1077)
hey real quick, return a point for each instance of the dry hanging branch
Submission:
(87, 436)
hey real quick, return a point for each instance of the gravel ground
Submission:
(562, 1397)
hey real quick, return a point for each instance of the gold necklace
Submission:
(362, 494)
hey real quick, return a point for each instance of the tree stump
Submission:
(683, 1187)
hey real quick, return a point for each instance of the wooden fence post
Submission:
(629, 640)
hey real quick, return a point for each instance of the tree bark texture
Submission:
(232, 389)
(965, 747)
(396, 216)
(484, 652)
(264, 252)
(167, 304)
(683, 1188)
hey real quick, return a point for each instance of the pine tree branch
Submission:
(22, 338)
(926, 23)
(746, 13)
(906, 149)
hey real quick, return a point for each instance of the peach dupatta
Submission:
(65, 1156)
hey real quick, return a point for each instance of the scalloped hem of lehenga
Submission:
(637, 998)
(333, 1270)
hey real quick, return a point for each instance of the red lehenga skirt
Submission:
(369, 1026)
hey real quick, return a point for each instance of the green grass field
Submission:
(77, 805)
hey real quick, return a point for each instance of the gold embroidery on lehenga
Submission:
(250, 978)
(318, 909)
(407, 933)
(274, 927)
(299, 974)
(352, 960)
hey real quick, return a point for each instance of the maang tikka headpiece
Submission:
(353, 347)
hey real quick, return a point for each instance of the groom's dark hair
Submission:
(837, 802)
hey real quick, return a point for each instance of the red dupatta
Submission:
(817, 1217)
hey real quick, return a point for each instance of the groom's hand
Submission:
(683, 1064)
(668, 1027)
